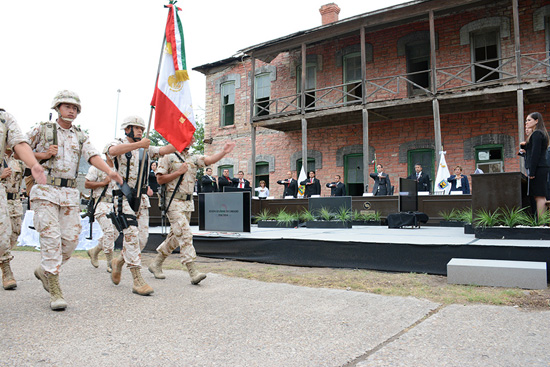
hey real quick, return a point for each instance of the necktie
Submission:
(311, 180)
(241, 184)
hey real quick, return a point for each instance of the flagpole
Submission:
(142, 169)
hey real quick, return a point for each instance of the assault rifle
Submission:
(90, 213)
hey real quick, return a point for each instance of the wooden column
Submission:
(435, 102)
(437, 129)
(365, 113)
(432, 53)
(365, 148)
(304, 145)
(521, 111)
(252, 127)
(303, 105)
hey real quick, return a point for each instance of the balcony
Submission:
(459, 88)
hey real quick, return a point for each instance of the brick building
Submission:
(396, 86)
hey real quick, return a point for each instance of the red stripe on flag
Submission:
(171, 123)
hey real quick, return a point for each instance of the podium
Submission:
(491, 191)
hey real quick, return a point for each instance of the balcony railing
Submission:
(534, 66)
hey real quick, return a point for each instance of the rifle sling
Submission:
(177, 184)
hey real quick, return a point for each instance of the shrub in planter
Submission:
(511, 224)
(281, 219)
(451, 219)
(327, 219)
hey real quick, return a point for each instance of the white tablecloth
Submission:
(29, 237)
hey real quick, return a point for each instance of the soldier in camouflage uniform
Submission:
(11, 178)
(56, 203)
(11, 137)
(123, 152)
(98, 181)
(169, 170)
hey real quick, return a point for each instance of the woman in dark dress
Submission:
(153, 184)
(536, 163)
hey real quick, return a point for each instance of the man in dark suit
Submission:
(422, 179)
(382, 185)
(337, 188)
(240, 181)
(313, 186)
(208, 182)
(291, 185)
(224, 180)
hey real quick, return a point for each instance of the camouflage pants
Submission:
(5, 224)
(180, 234)
(135, 238)
(59, 228)
(107, 240)
(16, 213)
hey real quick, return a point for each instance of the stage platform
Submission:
(419, 250)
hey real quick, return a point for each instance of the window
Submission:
(310, 165)
(228, 103)
(426, 158)
(418, 66)
(485, 53)
(221, 168)
(262, 173)
(311, 72)
(262, 87)
(352, 77)
(489, 158)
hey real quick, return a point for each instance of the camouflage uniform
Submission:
(135, 238)
(12, 184)
(56, 208)
(10, 135)
(104, 207)
(180, 209)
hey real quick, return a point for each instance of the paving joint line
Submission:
(370, 352)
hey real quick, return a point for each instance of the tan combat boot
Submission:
(196, 277)
(93, 253)
(156, 266)
(117, 269)
(57, 303)
(41, 275)
(109, 257)
(8, 281)
(140, 287)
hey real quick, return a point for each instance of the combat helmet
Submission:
(66, 96)
(133, 120)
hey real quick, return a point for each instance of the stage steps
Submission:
(498, 273)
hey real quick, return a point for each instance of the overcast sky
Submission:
(98, 47)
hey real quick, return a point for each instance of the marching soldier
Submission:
(133, 217)
(11, 178)
(11, 137)
(102, 193)
(59, 146)
(177, 172)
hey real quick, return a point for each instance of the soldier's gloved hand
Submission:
(38, 173)
(228, 147)
(183, 168)
(6, 172)
(144, 143)
(52, 150)
(115, 176)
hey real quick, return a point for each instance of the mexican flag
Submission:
(174, 118)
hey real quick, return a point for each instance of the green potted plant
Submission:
(370, 218)
(324, 218)
(281, 219)
(514, 223)
(450, 218)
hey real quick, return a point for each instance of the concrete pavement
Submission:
(237, 322)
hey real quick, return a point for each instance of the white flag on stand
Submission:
(441, 183)
(301, 188)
